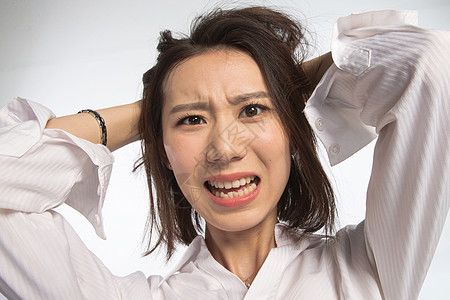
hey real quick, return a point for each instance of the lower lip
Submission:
(234, 202)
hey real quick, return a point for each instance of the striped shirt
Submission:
(390, 79)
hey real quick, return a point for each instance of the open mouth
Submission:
(232, 189)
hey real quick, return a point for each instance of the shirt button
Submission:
(319, 124)
(334, 149)
(98, 221)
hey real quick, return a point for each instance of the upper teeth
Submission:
(231, 184)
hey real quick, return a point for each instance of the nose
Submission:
(228, 142)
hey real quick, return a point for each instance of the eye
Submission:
(191, 120)
(252, 110)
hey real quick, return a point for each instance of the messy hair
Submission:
(277, 44)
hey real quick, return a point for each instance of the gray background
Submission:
(71, 55)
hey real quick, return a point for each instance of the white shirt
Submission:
(390, 78)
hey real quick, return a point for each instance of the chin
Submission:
(241, 220)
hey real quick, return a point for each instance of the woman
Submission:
(225, 139)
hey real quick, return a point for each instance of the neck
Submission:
(242, 252)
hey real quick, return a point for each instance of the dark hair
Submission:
(277, 44)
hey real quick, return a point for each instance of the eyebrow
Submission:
(189, 106)
(205, 105)
(245, 97)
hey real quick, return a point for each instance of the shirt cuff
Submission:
(338, 125)
(337, 121)
(21, 125)
(43, 168)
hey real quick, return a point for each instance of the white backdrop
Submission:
(71, 55)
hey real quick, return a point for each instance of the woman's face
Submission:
(224, 141)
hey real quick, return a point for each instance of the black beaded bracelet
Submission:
(101, 122)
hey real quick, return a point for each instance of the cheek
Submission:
(183, 153)
(272, 148)
(273, 143)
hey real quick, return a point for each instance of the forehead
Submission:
(218, 73)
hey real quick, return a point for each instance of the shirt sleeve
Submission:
(41, 256)
(43, 168)
(392, 78)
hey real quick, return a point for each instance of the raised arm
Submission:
(394, 79)
(121, 124)
(41, 256)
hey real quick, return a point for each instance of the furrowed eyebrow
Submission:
(190, 106)
(245, 97)
(205, 105)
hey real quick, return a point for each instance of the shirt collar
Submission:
(198, 254)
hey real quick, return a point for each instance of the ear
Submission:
(162, 152)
